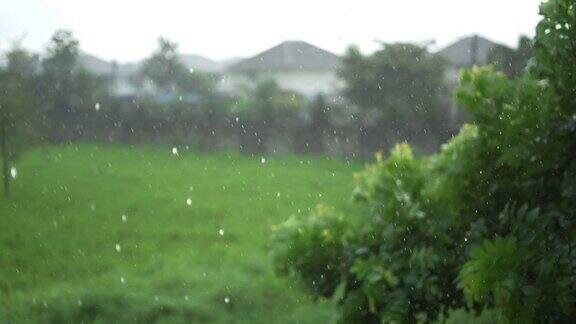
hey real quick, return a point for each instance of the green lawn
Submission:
(67, 254)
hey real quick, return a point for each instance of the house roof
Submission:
(468, 51)
(289, 55)
(103, 68)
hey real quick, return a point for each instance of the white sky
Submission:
(127, 30)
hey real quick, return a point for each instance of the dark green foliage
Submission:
(485, 224)
(555, 49)
(265, 111)
(320, 123)
(458, 316)
(169, 74)
(20, 113)
(164, 67)
(320, 268)
(401, 90)
(69, 93)
(59, 69)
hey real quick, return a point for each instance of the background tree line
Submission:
(395, 94)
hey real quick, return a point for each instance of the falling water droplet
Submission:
(124, 218)
(175, 150)
(220, 232)
(226, 299)
(189, 201)
(263, 160)
(13, 172)
(118, 247)
(97, 106)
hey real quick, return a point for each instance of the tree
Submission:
(19, 110)
(267, 109)
(258, 116)
(58, 79)
(23, 62)
(197, 82)
(486, 224)
(401, 91)
(319, 123)
(69, 92)
(164, 67)
(512, 61)
(190, 97)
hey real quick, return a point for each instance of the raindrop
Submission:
(124, 218)
(189, 201)
(226, 299)
(122, 280)
(263, 160)
(186, 297)
(465, 239)
(237, 119)
(175, 150)
(191, 70)
(97, 106)
(220, 232)
(278, 195)
(13, 172)
(118, 247)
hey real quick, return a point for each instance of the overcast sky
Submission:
(127, 30)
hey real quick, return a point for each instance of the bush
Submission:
(486, 223)
(297, 239)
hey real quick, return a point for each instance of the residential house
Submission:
(294, 65)
(126, 82)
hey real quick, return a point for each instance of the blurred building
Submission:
(466, 52)
(294, 65)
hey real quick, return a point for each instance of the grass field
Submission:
(105, 233)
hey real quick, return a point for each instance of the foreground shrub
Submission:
(485, 224)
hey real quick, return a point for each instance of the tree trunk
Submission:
(5, 160)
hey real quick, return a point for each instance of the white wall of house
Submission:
(452, 76)
(308, 83)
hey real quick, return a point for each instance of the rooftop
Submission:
(290, 55)
(468, 51)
